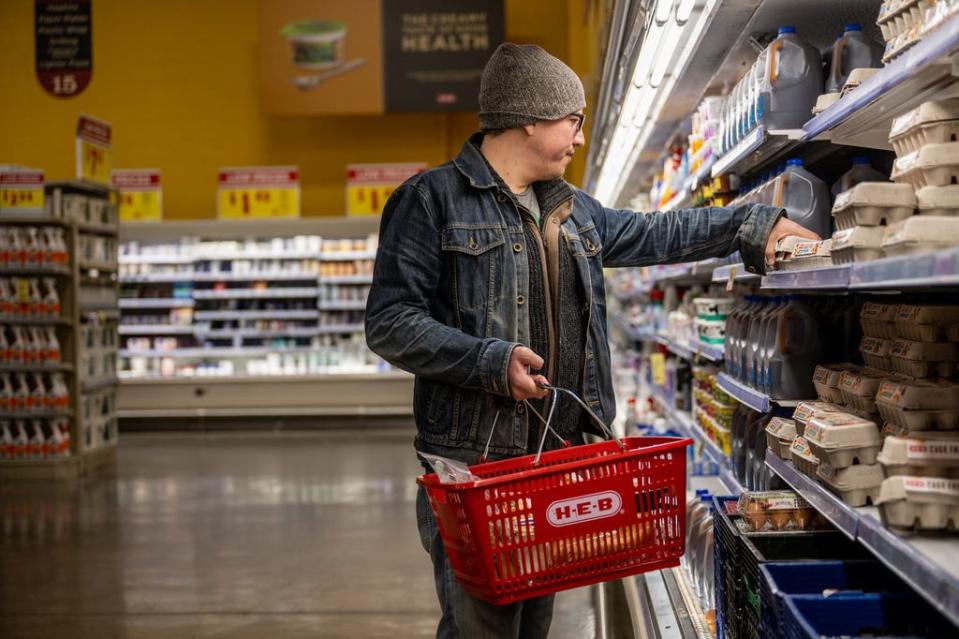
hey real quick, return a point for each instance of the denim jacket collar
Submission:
(481, 175)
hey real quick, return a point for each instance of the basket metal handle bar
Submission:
(556, 391)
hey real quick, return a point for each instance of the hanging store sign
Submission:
(63, 34)
(368, 186)
(94, 150)
(258, 192)
(21, 191)
(140, 194)
(375, 56)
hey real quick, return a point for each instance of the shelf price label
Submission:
(258, 192)
(94, 153)
(369, 186)
(140, 196)
(657, 362)
(21, 190)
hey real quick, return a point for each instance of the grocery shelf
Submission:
(93, 265)
(346, 279)
(60, 367)
(156, 259)
(33, 271)
(30, 414)
(99, 384)
(751, 397)
(347, 256)
(149, 278)
(209, 353)
(39, 220)
(835, 277)
(253, 333)
(333, 329)
(156, 329)
(930, 564)
(159, 302)
(342, 305)
(98, 229)
(738, 272)
(755, 149)
(691, 351)
(932, 269)
(34, 321)
(241, 315)
(255, 255)
(255, 276)
(247, 293)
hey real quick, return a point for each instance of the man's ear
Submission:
(529, 128)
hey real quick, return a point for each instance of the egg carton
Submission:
(924, 359)
(825, 101)
(875, 352)
(921, 233)
(842, 440)
(855, 80)
(934, 122)
(921, 454)
(803, 458)
(899, 17)
(826, 380)
(909, 421)
(855, 485)
(879, 320)
(780, 433)
(919, 394)
(805, 411)
(938, 200)
(780, 510)
(938, 15)
(857, 244)
(901, 43)
(873, 204)
(859, 387)
(931, 165)
(927, 322)
(809, 254)
(924, 503)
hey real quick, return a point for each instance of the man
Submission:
(489, 281)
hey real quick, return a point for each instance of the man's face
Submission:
(553, 143)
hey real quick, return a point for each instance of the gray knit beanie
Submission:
(522, 84)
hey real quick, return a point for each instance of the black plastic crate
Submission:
(727, 584)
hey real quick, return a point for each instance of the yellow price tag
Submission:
(367, 199)
(253, 202)
(96, 162)
(21, 198)
(141, 206)
(657, 362)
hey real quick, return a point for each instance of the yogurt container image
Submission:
(316, 44)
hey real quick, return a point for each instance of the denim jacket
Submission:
(451, 275)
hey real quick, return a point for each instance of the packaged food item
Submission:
(810, 254)
(938, 200)
(875, 352)
(803, 458)
(924, 503)
(778, 510)
(826, 381)
(50, 301)
(921, 233)
(925, 322)
(780, 433)
(934, 122)
(879, 320)
(919, 405)
(785, 247)
(58, 394)
(75, 207)
(921, 454)
(713, 307)
(858, 388)
(874, 204)
(857, 244)
(924, 359)
(855, 485)
(842, 439)
(805, 411)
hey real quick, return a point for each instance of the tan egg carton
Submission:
(855, 485)
(919, 405)
(924, 360)
(931, 165)
(898, 17)
(810, 254)
(826, 380)
(805, 411)
(924, 503)
(856, 78)
(825, 101)
(842, 439)
(775, 510)
(926, 322)
(929, 123)
(873, 204)
(921, 454)
(938, 200)
(858, 388)
(802, 457)
(875, 352)
(858, 244)
(780, 433)
(920, 234)
(879, 320)
(784, 250)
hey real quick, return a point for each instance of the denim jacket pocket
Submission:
(585, 242)
(475, 263)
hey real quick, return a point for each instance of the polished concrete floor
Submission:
(239, 535)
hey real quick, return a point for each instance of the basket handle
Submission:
(556, 391)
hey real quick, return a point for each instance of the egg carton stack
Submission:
(904, 23)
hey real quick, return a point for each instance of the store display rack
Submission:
(930, 564)
(87, 338)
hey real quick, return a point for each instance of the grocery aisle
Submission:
(230, 535)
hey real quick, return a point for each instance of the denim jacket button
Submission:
(520, 408)
(520, 300)
(517, 247)
(501, 197)
(751, 269)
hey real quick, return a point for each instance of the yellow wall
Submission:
(177, 80)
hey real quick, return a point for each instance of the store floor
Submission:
(264, 535)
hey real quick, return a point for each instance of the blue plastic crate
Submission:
(812, 578)
(725, 579)
(862, 615)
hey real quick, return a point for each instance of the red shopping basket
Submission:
(579, 516)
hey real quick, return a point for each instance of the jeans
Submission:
(465, 617)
